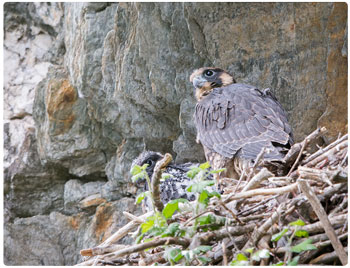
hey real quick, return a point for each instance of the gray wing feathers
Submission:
(241, 120)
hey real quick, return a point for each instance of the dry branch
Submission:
(262, 230)
(184, 242)
(265, 208)
(327, 154)
(296, 149)
(270, 191)
(157, 175)
(315, 203)
(157, 257)
(326, 258)
(124, 230)
(323, 150)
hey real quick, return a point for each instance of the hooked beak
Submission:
(199, 81)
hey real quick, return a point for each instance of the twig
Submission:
(326, 258)
(184, 242)
(271, 191)
(157, 174)
(327, 154)
(101, 250)
(318, 240)
(306, 141)
(255, 217)
(316, 205)
(132, 217)
(195, 217)
(323, 150)
(296, 149)
(124, 230)
(280, 181)
(255, 181)
(240, 179)
(157, 257)
(208, 237)
(262, 203)
(256, 162)
(259, 232)
(263, 174)
(230, 211)
(316, 174)
(318, 226)
(224, 254)
(328, 242)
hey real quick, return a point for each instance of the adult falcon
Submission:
(236, 121)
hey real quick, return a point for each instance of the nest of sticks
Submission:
(252, 212)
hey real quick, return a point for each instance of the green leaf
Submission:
(241, 257)
(173, 254)
(207, 219)
(172, 206)
(201, 249)
(297, 223)
(200, 186)
(193, 172)
(135, 170)
(139, 238)
(172, 229)
(303, 246)
(155, 230)
(141, 196)
(204, 259)
(294, 261)
(138, 176)
(302, 233)
(249, 250)
(147, 225)
(203, 197)
(217, 171)
(166, 176)
(261, 254)
(239, 263)
(214, 193)
(278, 236)
(205, 165)
(144, 166)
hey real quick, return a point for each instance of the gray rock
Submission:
(30, 187)
(75, 191)
(105, 81)
(40, 240)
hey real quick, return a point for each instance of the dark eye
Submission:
(208, 73)
(149, 162)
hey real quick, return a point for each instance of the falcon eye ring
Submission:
(208, 73)
(149, 162)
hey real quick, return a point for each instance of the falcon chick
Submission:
(236, 121)
(173, 187)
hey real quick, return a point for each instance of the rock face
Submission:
(88, 86)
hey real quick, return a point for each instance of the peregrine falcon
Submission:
(236, 121)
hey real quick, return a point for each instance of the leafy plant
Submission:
(294, 229)
(243, 260)
(158, 224)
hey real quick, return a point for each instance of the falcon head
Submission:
(207, 78)
(147, 157)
